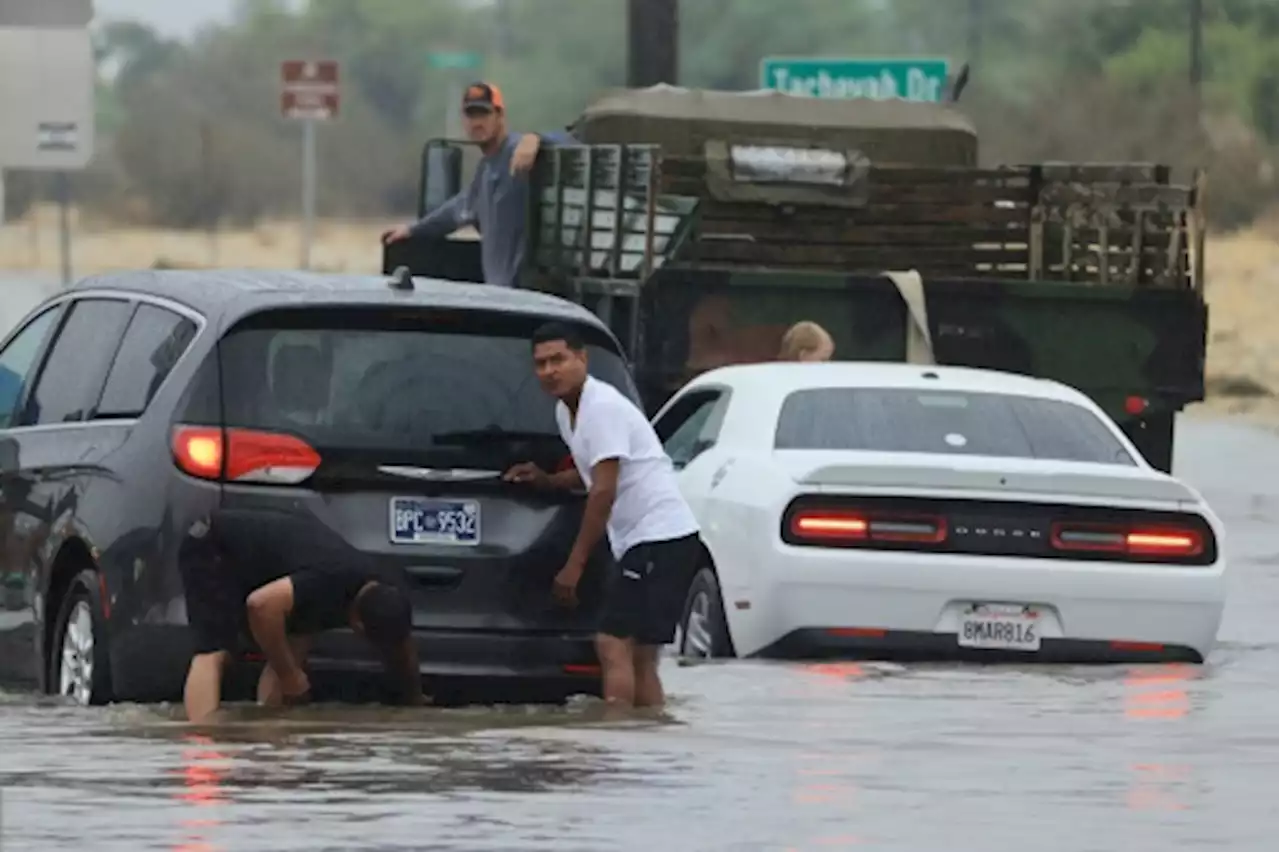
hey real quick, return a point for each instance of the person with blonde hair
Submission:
(806, 341)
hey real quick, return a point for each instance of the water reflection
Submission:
(202, 771)
(826, 791)
(1158, 693)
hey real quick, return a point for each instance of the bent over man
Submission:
(632, 496)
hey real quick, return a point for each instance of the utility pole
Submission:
(653, 42)
(977, 9)
(1196, 62)
(503, 41)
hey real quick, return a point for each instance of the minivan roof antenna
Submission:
(401, 279)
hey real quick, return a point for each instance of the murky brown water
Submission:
(753, 757)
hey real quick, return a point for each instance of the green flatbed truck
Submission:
(700, 225)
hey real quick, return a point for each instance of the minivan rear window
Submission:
(397, 382)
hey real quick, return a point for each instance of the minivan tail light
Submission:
(841, 526)
(1179, 542)
(244, 455)
(197, 450)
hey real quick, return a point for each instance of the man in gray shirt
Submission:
(496, 202)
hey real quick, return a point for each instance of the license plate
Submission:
(1000, 628)
(415, 520)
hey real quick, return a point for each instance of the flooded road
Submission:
(752, 756)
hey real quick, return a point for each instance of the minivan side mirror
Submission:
(441, 174)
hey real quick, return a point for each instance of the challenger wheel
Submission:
(704, 632)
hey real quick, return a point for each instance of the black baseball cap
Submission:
(485, 96)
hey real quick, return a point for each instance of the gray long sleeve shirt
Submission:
(495, 204)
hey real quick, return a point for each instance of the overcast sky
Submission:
(171, 17)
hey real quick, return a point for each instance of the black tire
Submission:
(83, 601)
(704, 604)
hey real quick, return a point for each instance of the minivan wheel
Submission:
(704, 632)
(80, 667)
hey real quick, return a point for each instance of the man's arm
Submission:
(526, 152)
(566, 480)
(604, 445)
(595, 517)
(445, 219)
(269, 609)
(557, 137)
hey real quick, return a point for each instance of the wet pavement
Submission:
(750, 756)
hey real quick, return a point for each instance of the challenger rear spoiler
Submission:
(954, 479)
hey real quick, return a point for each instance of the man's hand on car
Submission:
(565, 586)
(529, 473)
(525, 154)
(395, 235)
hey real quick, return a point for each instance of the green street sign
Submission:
(835, 77)
(455, 60)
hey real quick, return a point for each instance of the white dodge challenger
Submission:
(892, 510)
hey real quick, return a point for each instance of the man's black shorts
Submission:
(645, 597)
(215, 596)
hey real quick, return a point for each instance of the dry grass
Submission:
(1241, 269)
(337, 246)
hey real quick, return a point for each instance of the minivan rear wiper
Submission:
(492, 436)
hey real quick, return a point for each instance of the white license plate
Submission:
(1000, 628)
(416, 520)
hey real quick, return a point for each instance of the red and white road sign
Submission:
(309, 88)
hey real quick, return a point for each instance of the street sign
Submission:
(46, 13)
(910, 79)
(309, 89)
(46, 98)
(454, 60)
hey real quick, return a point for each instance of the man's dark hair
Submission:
(553, 331)
(385, 614)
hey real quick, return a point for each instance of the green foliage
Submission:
(191, 132)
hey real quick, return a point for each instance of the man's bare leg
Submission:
(202, 694)
(649, 692)
(618, 670)
(269, 694)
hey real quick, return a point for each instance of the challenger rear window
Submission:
(398, 382)
(906, 420)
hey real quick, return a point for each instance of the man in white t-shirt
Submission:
(633, 496)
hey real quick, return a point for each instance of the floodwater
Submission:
(750, 756)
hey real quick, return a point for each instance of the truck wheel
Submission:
(1153, 437)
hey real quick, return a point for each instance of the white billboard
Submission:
(47, 79)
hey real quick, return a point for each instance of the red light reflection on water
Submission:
(1153, 693)
(825, 787)
(202, 772)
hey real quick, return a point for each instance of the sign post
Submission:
(309, 93)
(47, 77)
(454, 62)
(912, 79)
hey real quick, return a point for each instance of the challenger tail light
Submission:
(243, 455)
(1138, 541)
(850, 527)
